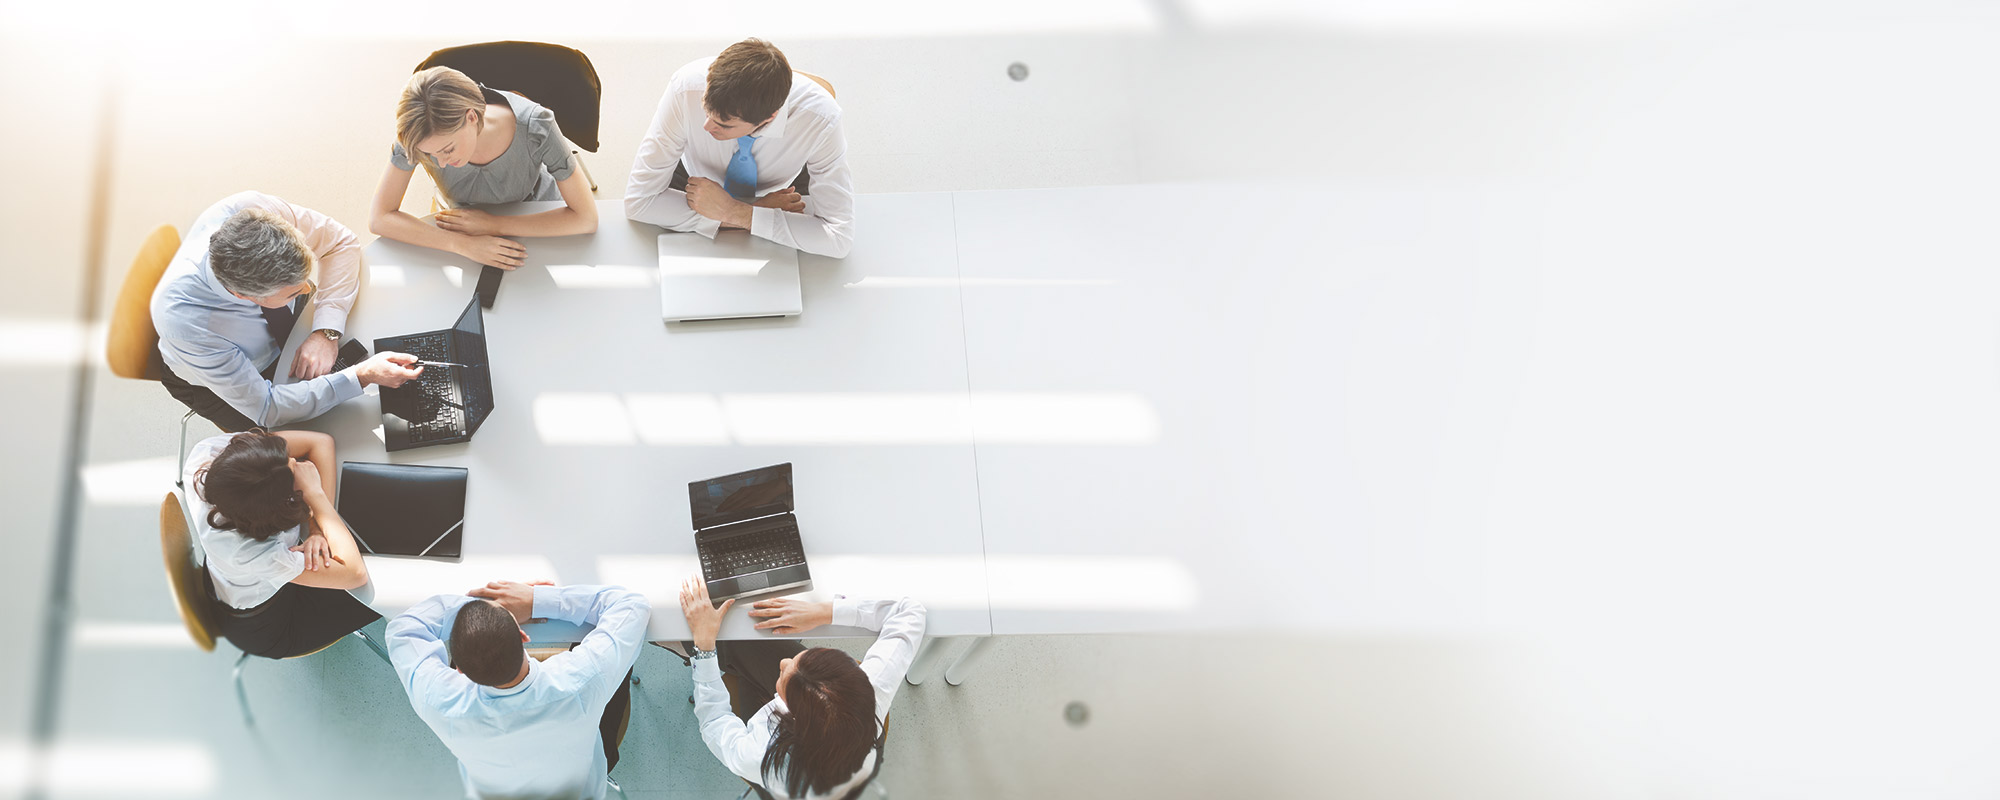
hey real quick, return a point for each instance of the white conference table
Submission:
(604, 413)
(1039, 411)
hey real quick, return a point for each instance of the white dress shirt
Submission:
(538, 738)
(805, 134)
(214, 339)
(740, 745)
(246, 572)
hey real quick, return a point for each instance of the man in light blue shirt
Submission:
(521, 728)
(229, 299)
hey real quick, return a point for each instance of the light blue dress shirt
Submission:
(214, 339)
(538, 738)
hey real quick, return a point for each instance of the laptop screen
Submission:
(469, 337)
(744, 495)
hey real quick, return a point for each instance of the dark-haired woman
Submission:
(279, 559)
(808, 721)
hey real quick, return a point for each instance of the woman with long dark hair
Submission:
(807, 724)
(279, 559)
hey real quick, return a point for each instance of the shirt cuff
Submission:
(763, 221)
(707, 669)
(345, 385)
(846, 611)
(545, 602)
(706, 227)
(330, 317)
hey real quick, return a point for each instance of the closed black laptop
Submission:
(447, 404)
(404, 509)
(746, 534)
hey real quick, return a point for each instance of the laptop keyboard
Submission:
(435, 417)
(752, 552)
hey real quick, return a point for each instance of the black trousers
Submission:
(202, 401)
(614, 714)
(297, 621)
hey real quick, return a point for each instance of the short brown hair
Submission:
(749, 81)
(485, 643)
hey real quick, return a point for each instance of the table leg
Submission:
(961, 667)
(925, 664)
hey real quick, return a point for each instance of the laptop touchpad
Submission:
(751, 583)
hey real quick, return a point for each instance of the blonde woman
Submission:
(483, 147)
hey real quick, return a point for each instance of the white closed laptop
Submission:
(736, 276)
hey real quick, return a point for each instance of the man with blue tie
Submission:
(522, 728)
(742, 141)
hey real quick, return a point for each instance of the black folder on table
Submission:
(404, 509)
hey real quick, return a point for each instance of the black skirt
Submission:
(297, 621)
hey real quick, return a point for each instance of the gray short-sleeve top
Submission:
(528, 170)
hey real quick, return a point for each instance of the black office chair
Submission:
(558, 77)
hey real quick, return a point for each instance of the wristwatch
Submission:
(696, 652)
(331, 334)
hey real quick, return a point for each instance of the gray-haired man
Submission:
(231, 296)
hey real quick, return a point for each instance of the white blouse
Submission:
(245, 572)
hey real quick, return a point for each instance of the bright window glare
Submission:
(608, 276)
(678, 419)
(455, 275)
(113, 769)
(411, 580)
(138, 482)
(40, 343)
(957, 582)
(386, 275)
(131, 635)
(846, 418)
(582, 418)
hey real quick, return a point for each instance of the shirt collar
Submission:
(518, 688)
(775, 129)
(214, 285)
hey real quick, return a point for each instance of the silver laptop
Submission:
(736, 276)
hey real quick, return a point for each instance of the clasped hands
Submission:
(709, 199)
(479, 239)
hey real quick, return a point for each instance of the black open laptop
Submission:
(447, 404)
(746, 534)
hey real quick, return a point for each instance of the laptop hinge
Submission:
(745, 521)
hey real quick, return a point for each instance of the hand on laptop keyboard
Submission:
(388, 369)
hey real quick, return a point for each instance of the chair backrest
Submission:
(184, 575)
(560, 78)
(819, 80)
(130, 342)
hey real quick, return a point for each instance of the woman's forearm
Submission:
(402, 227)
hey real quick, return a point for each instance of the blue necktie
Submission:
(741, 179)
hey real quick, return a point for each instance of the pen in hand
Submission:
(423, 363)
